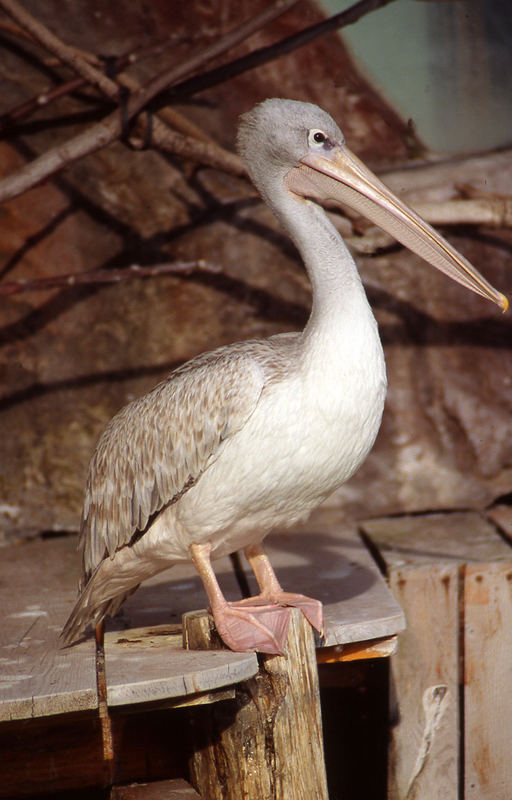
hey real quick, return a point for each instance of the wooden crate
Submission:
(451, 676)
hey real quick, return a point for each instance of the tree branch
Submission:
(265, 54)
(493, 212)
(101, 134)
(68, 55)
(107, 276)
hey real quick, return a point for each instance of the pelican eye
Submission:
(318, 138)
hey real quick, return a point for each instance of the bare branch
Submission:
(265, 54)
(206, 153)
(101, 134)
(169, 77)
(493, 212)
(11, 28)
(68, 55)
(107, 276)
(42, 99)
(496, 212)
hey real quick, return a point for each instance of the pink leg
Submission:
(271, 591)
(262, 627)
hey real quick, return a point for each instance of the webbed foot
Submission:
(248, 627)
(311, 608)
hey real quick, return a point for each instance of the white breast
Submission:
(310, 432)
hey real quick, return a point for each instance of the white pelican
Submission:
(255, 435)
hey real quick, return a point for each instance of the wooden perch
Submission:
(268, 742)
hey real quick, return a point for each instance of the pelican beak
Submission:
(338, 175)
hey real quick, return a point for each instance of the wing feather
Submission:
(155, 448)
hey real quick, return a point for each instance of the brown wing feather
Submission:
(157, 446)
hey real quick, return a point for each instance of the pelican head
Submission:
(295, 146)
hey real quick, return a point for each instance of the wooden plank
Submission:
(159, 790)
(268, 743)
(357, 651)
(149, 664)
(422, 569)
(38, 589)
(425, 558)
(51, 754)
(144, 673)
(488, 681)
(38, 583)
(326, 559)
(460, 537)
(502, 516)
(424, 685)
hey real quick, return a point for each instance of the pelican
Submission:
(254, 435)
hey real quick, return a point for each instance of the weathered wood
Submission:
(153, 667)
(322, 558)
(436, 538)
(159, 790)
(502, 516)
(267, 744)
(424, 691)
(37, 590)
(148, 664)
(488, 681)
(50, 754)
(355, 651)
(424, 713)
(147, 669)
(428, 560)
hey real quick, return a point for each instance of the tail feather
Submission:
(92, 606)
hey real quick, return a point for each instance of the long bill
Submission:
(340, 176)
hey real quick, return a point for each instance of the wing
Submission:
(155, 448)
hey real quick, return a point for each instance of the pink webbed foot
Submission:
(311, 608)
(253, 627)
(271, 591)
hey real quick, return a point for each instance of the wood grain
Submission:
(37, 590)
(144, 658)
(488, 681)
(424, 689)
(451, 573)
(159, 790)
(154, 667)
(268, 742)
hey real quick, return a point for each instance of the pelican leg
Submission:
(271, 591)
(261, 626)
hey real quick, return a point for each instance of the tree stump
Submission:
(266, 744)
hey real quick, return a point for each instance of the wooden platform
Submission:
(146, 667)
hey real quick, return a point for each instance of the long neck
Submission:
(339, 299)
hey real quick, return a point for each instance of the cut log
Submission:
(267, 743)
